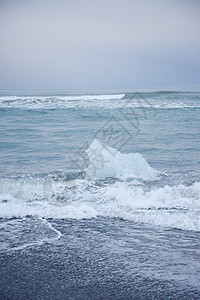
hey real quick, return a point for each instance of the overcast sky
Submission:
(99, 44)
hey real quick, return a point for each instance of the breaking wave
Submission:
(40, 102)
(174, 207)
(129, 100)
(110, 195)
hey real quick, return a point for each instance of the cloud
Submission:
(47, 42)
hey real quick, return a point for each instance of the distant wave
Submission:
(56, 101)
(163, 99)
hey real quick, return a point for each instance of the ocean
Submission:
(100, 194)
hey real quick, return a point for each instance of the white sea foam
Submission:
(21, 233)
(108, 101)
(64, 98)
(106, 161)
(40, 102)
(59, 197)
(173, 207)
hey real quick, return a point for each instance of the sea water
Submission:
(100, 194)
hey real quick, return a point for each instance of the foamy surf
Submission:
(48, 102)
(113, 186)
(26, 232)
(168, 206)
(104, 101)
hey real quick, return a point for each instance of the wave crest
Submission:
(168, 206)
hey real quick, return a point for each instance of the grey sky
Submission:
(99, 44)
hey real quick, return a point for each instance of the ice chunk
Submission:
(105, 161)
